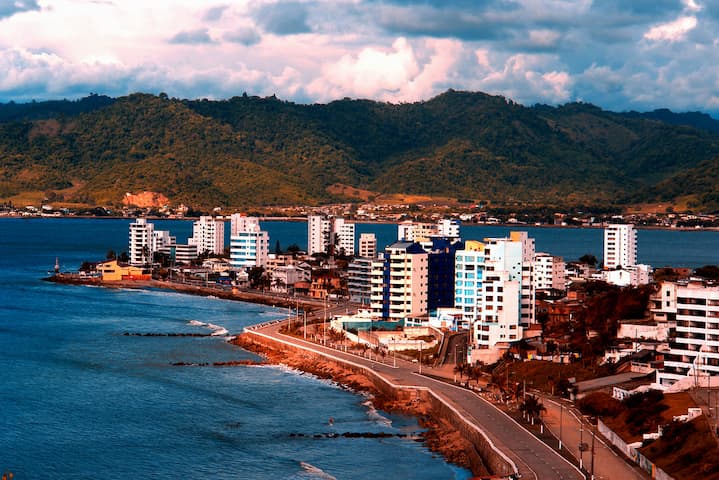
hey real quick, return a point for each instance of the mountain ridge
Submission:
(252, 151)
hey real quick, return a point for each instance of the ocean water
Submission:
(79, 399)
(679, 248)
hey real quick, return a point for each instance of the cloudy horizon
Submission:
(638, 55)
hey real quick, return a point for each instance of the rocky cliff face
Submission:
(145, 199)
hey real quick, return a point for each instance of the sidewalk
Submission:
(607, 463)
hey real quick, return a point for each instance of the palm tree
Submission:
(461, 369)
(474, 373)
(532, 407)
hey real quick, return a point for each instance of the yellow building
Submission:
(111, 271)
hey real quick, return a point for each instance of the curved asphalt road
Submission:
(534, 459)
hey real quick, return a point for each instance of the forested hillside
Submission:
(263, 151)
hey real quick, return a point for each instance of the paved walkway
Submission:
(575, 430)
(533, 459)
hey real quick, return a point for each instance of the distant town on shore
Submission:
(467, 213)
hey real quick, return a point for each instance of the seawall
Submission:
(479, 455)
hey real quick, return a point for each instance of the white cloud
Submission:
(691, 5)
(672, 31)
(371, 72)
(616, 54)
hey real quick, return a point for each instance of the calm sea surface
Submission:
(80, 400)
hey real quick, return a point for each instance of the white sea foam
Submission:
(316, 472)
(217, 330)
(375, 416)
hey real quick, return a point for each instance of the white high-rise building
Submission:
(399, 282)
(448, 228)
(415, 232)
(318, 234)
(208, 234)
(344, 237)
(548, 272)
(141, 242)
(495, 292)
(322, 231)
(694, 346)
(620, 246)
(249, 244)
(367, 245)
(422, 232)
(239, 222)
(162, 241)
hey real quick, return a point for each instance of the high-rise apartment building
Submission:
(208, 234)
(548, 272)
(694, 343)
(249, 244)
(318, 234)
(620, 246)
(495, 292)
(422, 232)
(141, 242)
(399, 282)
(449, 228)
(359, 280)
(323, 232)
(344, 237)
(367, 245)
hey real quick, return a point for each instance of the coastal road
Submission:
(534, 459)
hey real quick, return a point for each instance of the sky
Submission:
(618, 54)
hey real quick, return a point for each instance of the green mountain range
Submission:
(251, 151)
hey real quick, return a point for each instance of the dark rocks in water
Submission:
(231, 363)
(360, 435)
(137, 334)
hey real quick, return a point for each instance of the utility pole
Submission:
(561, 412)
(581, 444)
(592, 469)
(324, 325)
(420, 357)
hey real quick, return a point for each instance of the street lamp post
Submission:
(324, 325)
(581, 444)
(420, 357)
(592, 468)
(561, 412)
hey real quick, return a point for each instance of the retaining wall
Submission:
(484, 457)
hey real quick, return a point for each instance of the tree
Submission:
(255, 276)
(710, 272)
(461, 369)
(531, 407)
(145, 254)
(588, 259)
(123, 258)
(110, 255)
(278, 250)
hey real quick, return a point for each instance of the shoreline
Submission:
(439, 437)
(376, 222)
(236, 295)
